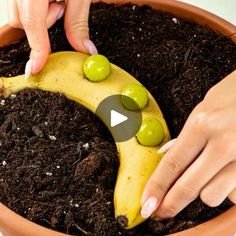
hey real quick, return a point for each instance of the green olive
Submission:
(138, 94)
(151, 132)
(96, 68)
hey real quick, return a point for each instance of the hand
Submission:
(35, 17)
(202, 160)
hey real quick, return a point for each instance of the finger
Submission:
(220, 187)
(166, 147)
(55, 12)
(33, 18)
(13, 14)
(76, 26)
(188, 186)
(232, 196)
(186, 148)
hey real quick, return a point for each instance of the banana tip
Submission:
(123, 221)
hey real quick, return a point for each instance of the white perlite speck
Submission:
(3, 102)
(86, 146)
(49, 173)
(76, 205)
(4, 163)
(175, 20)
(52, 137)
(13, 96)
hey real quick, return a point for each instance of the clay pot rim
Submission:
(9, 35)
(223, 224)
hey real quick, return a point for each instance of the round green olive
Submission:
(138, 94)
(96, 68)
(151, 132)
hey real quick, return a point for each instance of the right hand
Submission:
(35, 17)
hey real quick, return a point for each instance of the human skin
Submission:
(35, 17)
(201, 161)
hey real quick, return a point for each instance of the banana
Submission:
(63, 74)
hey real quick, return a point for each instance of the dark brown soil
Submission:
(58, 163)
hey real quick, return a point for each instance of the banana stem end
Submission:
(123, 221)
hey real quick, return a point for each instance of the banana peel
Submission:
(63, 74)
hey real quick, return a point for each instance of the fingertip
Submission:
(76, 36)
(55, 12)
(147, 192)
(28, 68)
(149, 207)
(144, 196)
(38, 66)
(38, 61)
(152, 189)
(76, 41)
(77, 27)
(83, 44)
(166, 146)
(90, 46)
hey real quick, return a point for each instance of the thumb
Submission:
(76, 26)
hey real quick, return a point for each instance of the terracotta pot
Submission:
(12, 224)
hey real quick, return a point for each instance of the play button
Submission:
(122, 123)
(117, 118)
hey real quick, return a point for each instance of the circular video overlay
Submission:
(122, 123)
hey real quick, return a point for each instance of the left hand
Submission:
(202, 160)
(36, 16)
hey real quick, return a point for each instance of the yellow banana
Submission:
(63, 73)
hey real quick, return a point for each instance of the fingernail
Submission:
(89, 45)
(167, 146)
(29, 68)
(149, 207)
(60, 14)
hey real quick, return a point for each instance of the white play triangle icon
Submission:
(117, 118)
(121, 122)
